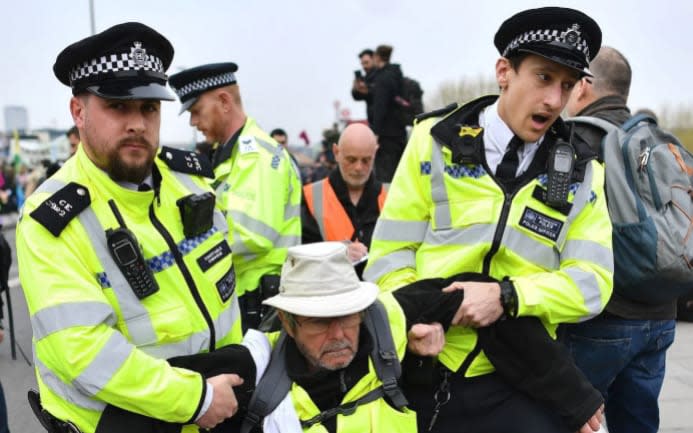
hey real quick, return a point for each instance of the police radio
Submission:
(127, 254)
(561, 164)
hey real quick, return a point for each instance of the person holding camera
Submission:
(361, 89)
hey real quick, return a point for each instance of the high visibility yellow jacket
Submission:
(375, 416)
(95, 342)
(259, 189)
(442, 218)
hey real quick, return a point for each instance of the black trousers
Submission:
(387, 157)
(484, 404)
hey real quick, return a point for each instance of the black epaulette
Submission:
(56, 212)
(186, 161)
(435, 113)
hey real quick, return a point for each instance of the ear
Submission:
(503, 71)
(285, 324)
(78, 110)
(225, 100)
(335, 149)
(582, 90)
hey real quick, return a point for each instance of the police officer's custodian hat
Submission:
(563, 35)
(126, 61)
(192, 83)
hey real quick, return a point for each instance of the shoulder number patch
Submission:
(247, 144)
(186, 161)
(56, 212)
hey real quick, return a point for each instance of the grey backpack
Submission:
(649, 190)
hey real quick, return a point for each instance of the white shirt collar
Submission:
(497, 136)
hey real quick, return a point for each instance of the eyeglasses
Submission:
(320, 325)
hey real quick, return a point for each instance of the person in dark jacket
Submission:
(386, 123)
(361, 89)
(622, 351)
(348, 202)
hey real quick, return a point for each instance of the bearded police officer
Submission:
(122, 255)
(499, 186)
(257, 185)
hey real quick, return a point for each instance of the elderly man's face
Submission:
(327, 343)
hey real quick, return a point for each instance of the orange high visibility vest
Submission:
(332, 219)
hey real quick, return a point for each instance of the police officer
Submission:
(122, 258)
(499, 186)
(257, 185)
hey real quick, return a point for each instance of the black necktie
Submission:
(508, 166)
(144, 187)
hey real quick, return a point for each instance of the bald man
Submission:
(346, 205)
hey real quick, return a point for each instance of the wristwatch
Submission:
(508, 299)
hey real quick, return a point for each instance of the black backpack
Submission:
(410, 101)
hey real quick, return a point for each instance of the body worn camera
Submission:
(197, 213)
(126, 252)
(561, 164)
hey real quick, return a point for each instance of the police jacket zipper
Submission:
(502, 221)
(186, 274)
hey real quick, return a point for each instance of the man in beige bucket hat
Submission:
(335, 365)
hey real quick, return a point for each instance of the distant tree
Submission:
(678, 117)
(461, 91)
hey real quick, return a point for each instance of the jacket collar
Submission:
(611, 102)
(447, 131)
(225, 151)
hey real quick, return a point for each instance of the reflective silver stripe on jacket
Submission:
(588, 251)
(104, 366)
(401, 231)
(531, 249)
(589, 287)
(319, 207)
(199, 341)
(467, 236)
(258, 227)
(69, 315)
(439, 194)
(66, 391)
(390, 262)
(136, 317)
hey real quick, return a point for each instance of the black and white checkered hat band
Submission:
(546, 36)
(203, 84)
(115, 63)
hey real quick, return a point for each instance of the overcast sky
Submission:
(297, 57)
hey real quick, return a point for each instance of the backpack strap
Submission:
(596, 122)
(602, 124)
(343, 409)
(386, 364)
(642, 117)
(384, 354)
(271, 389)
